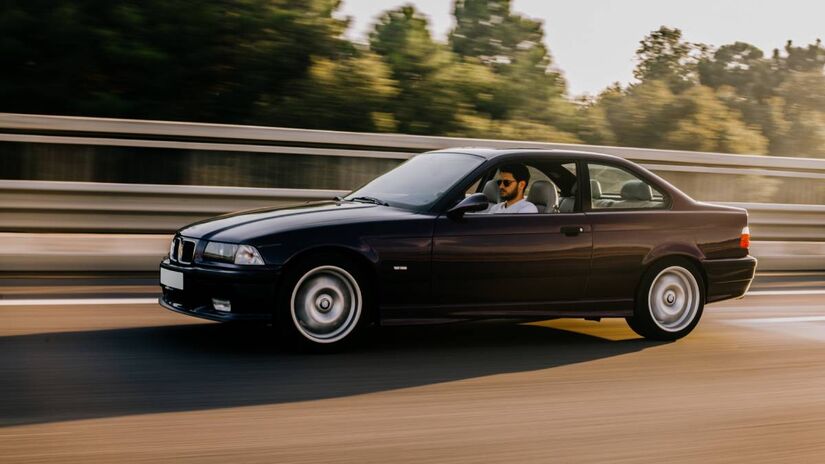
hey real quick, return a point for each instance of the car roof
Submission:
(491, 153)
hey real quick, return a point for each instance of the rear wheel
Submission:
(323, 302)
(670, 301)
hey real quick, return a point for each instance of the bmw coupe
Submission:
(432, 240)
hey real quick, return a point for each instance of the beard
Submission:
(510, 196)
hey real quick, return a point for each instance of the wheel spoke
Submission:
(326, 304)
(673, 299)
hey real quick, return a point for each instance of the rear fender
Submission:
(688, 250)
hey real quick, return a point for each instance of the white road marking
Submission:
(787, 320)
(791, 274)
(785, 292)
(78, 301)
(807, 327)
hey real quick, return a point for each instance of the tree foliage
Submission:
(424, 106)
(286, 62)
(664, 56)
(160, 59)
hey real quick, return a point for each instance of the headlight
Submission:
(231, 253)
(217, 251)
(247, 254)
(172, 249)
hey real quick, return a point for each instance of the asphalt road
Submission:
(101, 383)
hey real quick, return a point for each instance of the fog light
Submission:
(221, 305)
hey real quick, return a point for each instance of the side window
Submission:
(551, 188)
(541, 191)
(615, 188)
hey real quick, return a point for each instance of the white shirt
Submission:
(521, 206)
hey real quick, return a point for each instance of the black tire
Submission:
(317, 288)
(673, 315)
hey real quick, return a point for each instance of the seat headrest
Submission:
(491, 191)
(595, 189)
(636, 190)
(543, 194)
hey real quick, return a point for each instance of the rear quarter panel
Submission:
(626, 243)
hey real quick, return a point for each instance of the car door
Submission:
(508, 262)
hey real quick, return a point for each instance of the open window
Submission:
(552, 186)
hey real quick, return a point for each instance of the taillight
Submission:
(745, 238)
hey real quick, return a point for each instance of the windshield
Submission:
(420, 182)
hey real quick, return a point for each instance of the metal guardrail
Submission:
(223, 137)
(87, 207)
(58, 225)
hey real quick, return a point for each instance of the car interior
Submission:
(553, 187)
(614, 188)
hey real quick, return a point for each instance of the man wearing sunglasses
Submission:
(512, 182)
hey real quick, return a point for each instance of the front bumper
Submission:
(252, 293)
(729, 278)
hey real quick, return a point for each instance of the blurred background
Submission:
(300, 64)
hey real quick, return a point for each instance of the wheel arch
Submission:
(366, 261)
(675, 256)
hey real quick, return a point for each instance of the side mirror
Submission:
(474, 203)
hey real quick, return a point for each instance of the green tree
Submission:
(286, 62)
(743, 67)
(424, 105)
(663, 55)
(747, 81)
(651, 115)
(592, 125)
(706, 124)
(805, 59)
(781, 95)
(640, 115)
(194, 60)
(351, 93)
(488, 30)
(512, 46)
(804, 96)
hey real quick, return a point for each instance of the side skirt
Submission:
(428, 314)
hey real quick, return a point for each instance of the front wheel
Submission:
(669, 302)
(323, 303)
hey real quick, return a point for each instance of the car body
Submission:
(433, 256)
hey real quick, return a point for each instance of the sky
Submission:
(593, 42)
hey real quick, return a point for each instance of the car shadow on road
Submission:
(108, 373)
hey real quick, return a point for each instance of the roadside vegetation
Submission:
(288, 63)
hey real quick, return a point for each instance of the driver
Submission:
(512, 181)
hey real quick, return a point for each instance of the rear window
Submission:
(616, 188)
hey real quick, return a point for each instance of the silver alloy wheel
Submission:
(326, 304)
(673, 298)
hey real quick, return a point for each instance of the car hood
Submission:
(246, 226)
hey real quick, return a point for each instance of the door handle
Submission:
(572, 231)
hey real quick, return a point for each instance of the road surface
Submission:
(135, 383)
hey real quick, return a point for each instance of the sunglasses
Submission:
(506, 182)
